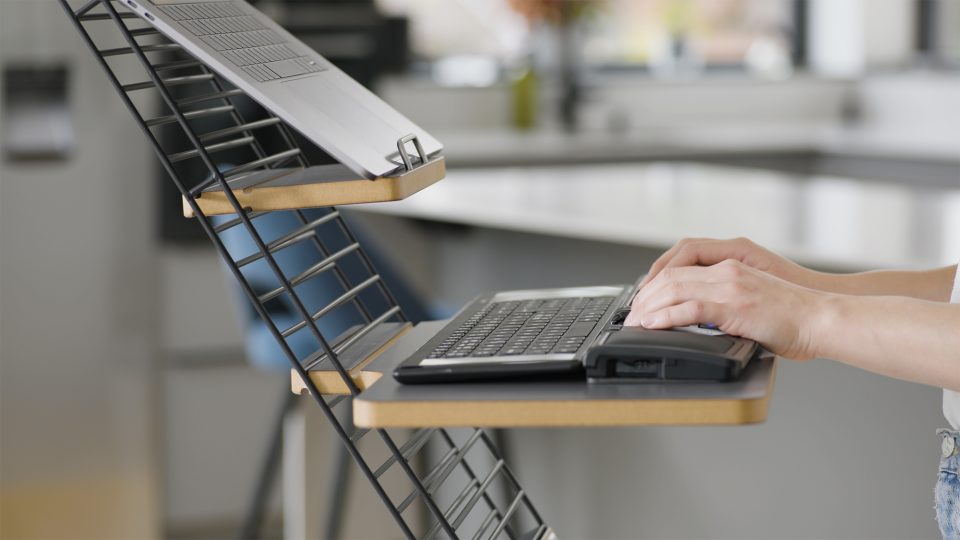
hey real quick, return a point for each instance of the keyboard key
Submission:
(535, 327)
(581, 329)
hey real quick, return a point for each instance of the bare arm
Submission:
(927, 284)
(904, 338)
(932, 285)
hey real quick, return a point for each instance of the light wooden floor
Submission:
(101, 507)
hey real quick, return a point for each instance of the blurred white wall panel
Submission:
(201, 308)
(77, 305)
(889, 32)
(916, 112)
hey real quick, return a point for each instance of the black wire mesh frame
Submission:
(462, 506)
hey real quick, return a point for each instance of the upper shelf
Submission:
(324, 185)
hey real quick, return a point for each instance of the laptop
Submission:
(309, 93)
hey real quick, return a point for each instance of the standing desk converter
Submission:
(175, 97)
(383, 402)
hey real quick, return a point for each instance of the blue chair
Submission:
(262, 349)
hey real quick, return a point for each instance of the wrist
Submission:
(825, 282)
(827, 318)
(808, 278)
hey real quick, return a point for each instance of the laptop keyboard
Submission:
(242, 39)
(527, 327)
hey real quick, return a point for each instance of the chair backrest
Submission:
(262, 349)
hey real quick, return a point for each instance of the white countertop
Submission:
(498, 147)
(827, 221)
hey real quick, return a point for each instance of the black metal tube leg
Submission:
(499, 437)
(501, 440)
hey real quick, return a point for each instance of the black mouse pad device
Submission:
(637, 354)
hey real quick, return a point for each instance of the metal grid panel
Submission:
(313, 310)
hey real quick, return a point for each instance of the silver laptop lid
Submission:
(291, 80)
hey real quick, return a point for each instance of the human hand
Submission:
(739, 300)
(708, 251)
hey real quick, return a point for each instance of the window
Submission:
(662, 35)
(687, 34)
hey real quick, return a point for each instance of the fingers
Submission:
(672, 275)
(670, 286)
(679, 292)
(662, 261)
(708, 252)
(684, 314)
(698, 252)
(674, 286)
(687, 273)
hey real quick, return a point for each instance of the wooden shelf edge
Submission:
(349, 191)
(606, 413)
(562, 413)
(329, 382)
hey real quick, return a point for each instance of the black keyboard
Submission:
(527, 327)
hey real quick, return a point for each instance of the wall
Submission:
(217, 411)
(914, 113)
(77, 325)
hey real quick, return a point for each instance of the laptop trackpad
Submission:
(291, 68)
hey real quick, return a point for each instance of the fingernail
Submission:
(648, 320)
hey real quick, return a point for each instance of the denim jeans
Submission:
(947, 492)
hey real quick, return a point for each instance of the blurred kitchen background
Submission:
(128, 408)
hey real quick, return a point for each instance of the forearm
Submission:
(932, 285)
(905, 338)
